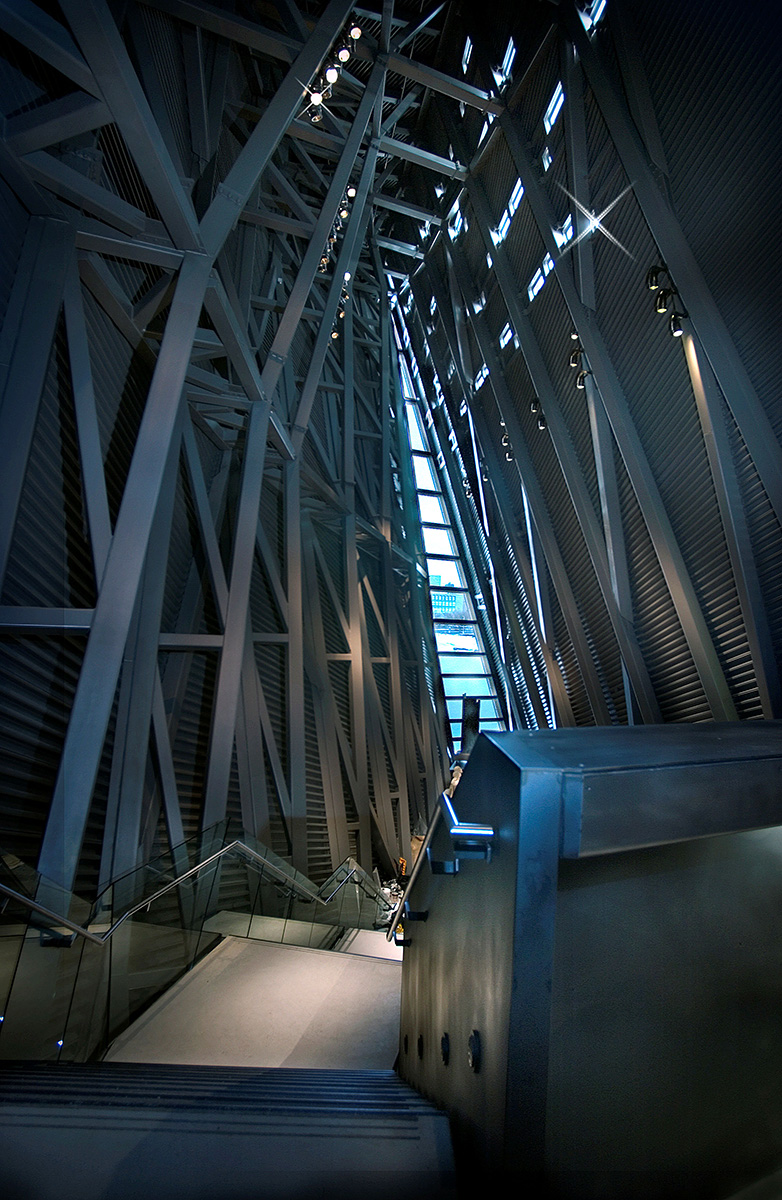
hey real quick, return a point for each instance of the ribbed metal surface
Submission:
(734, 157)
(14, 220)
(51, 512)
(38, 677)
(259, 1092)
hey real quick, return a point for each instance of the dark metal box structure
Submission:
(599, 1002)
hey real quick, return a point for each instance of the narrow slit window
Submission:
(554, 106)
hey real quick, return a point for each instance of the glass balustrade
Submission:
(74, 974)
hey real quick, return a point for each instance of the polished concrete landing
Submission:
(255, 1004)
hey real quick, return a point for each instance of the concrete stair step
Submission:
(133, 1131)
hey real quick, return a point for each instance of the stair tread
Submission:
(186, 1087)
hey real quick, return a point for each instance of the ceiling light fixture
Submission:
(575, 358)
(675, 323)
(664, 297)
(355, 32)
(351, 192)
(581, 380)
(343, 54)
(332, 74)
(653, 276)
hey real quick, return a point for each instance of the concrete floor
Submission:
(256, 1004)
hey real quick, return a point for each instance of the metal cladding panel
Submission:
(120, 379)
(645, 785)
(725, 180)
(165, 48)
(674, 678)
(38, 677)
(655, 382)
(14, 220)
(654, 952)
(51, 511)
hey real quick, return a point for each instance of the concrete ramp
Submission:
(259, 1004)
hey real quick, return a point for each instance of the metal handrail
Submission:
(396, 916)
(481, 833)
(100, 939)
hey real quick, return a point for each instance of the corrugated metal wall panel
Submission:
(13, 219)
(735, 157)
(51, 511)
(38, 677)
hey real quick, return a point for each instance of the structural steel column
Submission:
(122, 577)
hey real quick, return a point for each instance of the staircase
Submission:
(132, 1131)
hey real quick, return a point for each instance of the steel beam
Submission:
(734, 522)
(36, 304)
(90, 451)
(406, 209)
(302, 286)
(94, 694)
(446, 85)
(543, 522)
(236, 189)
(638, 469)
(346, 264)
(67, 117)
(621, 621)
(100, 41)
(707, 321)
(47, 38)
(237, 616)
(422, 158)
(295, 665)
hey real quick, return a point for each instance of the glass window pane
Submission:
(454, 710)
(451, 664)
(439, 541)
(415, 429)
(490, 709)
(461, 638)
(449, 604)
(468, 685)
(423, 470)
(493, 726)
(446, 573)
(433, 510)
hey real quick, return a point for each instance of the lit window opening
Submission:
(546, 158)
(548, 264)
(487, 124)
(456, 222)
(506, 336)
(592, 14)
(535, 284)
(432, 306)
(553, 110)
(563, 235)
(479, 304)
(481, 377)
(489, 261)
(515, 196)
(466, 55)
(502, 73)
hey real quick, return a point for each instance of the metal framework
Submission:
(213, 589)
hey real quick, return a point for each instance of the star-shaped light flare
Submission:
(596, 221)
(324, 93)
